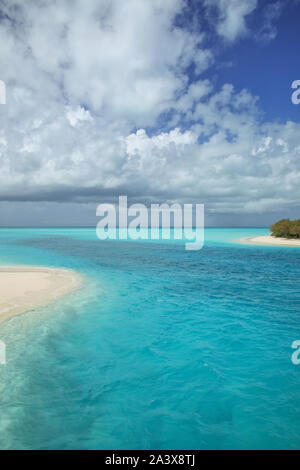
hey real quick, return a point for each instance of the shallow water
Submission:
(161, 348)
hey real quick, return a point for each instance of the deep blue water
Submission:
(161, 348)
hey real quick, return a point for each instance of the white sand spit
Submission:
(24, 288)
(269, 240)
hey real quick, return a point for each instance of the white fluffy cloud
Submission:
(272, 12)
(124, 59)
(90, 82)
(77, 115)
(231, 16)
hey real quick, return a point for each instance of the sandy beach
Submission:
(24, 288)
(269, 240)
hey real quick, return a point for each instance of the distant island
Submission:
(285, 232)
(286, 228)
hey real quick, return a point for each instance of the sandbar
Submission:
(270, 240)
(24, 288)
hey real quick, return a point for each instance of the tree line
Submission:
(286, 228)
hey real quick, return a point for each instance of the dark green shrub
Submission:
(295, 229)
(286, 228)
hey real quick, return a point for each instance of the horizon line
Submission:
(94, 226)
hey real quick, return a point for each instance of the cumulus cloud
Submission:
(100, 103)
(271, 14)
(77, 115)
(231, 16)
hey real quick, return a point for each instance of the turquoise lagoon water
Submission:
(161, 348)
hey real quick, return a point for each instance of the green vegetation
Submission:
(286, 228)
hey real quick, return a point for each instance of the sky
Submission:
(164, 101)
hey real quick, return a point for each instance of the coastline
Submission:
(269, 240)
(23, 288)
